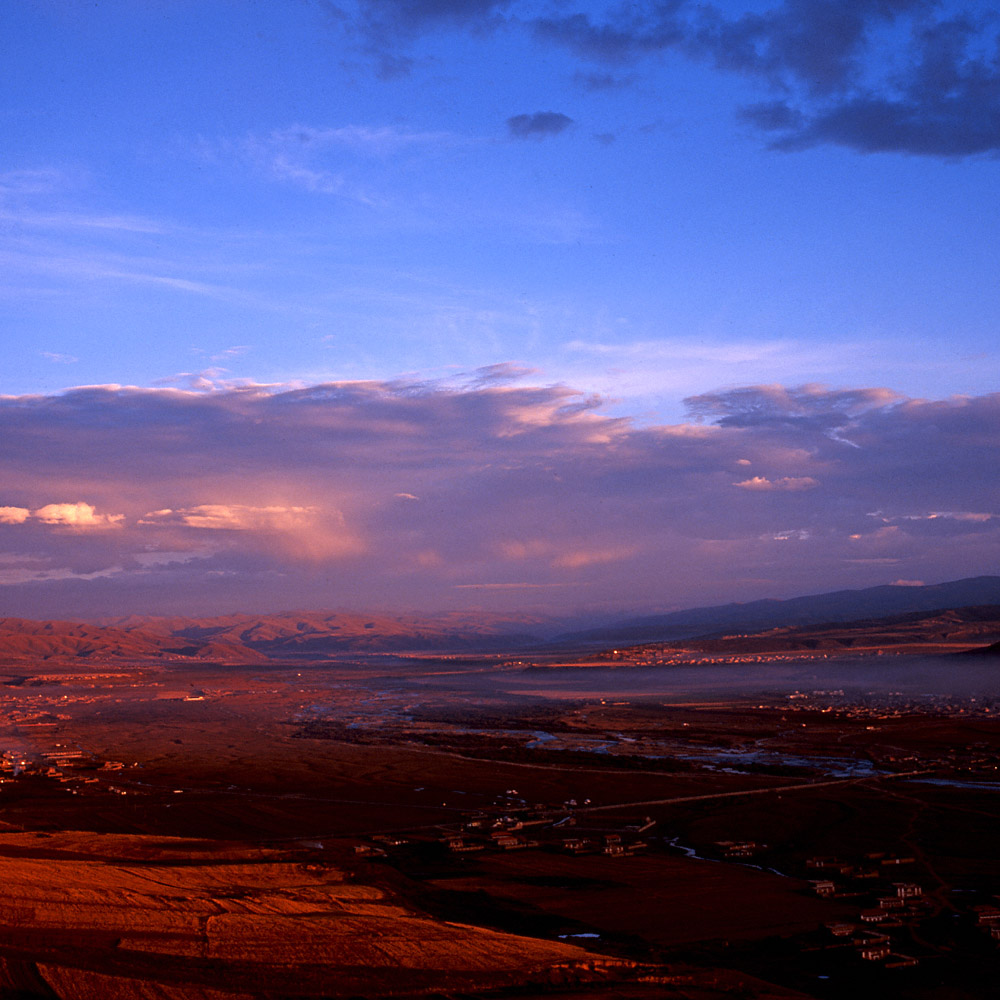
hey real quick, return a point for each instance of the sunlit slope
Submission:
(22, 639)
(143, 917)
(250, 638)
(319, 632)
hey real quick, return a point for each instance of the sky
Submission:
(514, 305)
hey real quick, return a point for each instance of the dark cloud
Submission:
(538, 125)
(143, 499)
(809, 406)
(386, 27)
(912, 76)
(602, 81)
(819, 45)
(946, 128)
(772, 116)
(503, 373)
(410, 17)
(945, 101)
(637, 30)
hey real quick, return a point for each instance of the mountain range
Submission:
(247, 638)
(250, 638)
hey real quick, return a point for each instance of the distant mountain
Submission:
(254, 638)
(991, 652)
(249, 638)
(322, 633)
(837, 606)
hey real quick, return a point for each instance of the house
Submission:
(459, 846)
(987, 914)
(840, 929)
(891, 903)
(875, 952)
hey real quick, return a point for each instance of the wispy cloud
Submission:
(333, 160)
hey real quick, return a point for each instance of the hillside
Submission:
(252, 638)
(320, 633)
(22, 639)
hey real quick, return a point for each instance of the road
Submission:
(750, 791)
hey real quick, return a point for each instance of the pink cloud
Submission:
(76, 515)
(412, 495)
(762, 483)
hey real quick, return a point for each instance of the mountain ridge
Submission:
(258, 638)
(832, 606)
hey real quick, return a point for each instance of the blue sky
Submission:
(648, 201)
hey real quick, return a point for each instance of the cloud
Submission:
(68, 515)
(949, 515)
(76, 515)
(911, 76)
(231, 352)
(298, 533)
(385, 26)
(538, 125)
(530, 495)
(333, 160)
(939, 95)
(552, 554)
(21, 183)
(504, 373)
(793, 483)
(809, 406)
(819, 45)
(410, 16)
(755, 483)
(601, 81)
(580, 558)
(792, 534)
(232, 517)
(630, 33)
